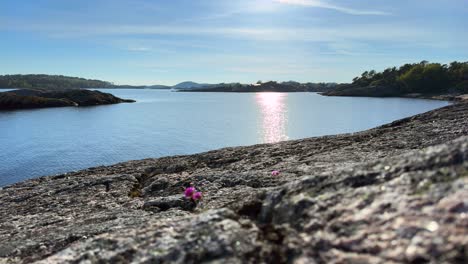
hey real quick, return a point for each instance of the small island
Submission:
(36, 98)
(270, 86)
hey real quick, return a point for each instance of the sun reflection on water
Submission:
(273, 116)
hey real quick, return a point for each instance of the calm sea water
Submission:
(57, 140)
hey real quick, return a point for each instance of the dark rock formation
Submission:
(26, 98)
(396, 193)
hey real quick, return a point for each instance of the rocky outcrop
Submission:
(396, 193)
(27, 98)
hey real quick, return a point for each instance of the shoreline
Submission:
(443, 97)
(20, 99)
(75, 170)
(390, 181)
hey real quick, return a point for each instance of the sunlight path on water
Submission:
(274, 116)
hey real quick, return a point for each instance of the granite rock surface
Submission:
(393, 194)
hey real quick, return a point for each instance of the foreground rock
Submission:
(397, 193)
(25, 98)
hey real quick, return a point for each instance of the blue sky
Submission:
(166, 42)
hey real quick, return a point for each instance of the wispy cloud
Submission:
(376, 32)
(139, 49)
(278, 69)
(327, 5)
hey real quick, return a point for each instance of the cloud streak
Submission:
(376, 32)
(326, 5)
(139, 49)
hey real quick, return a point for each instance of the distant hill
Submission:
(422, 79)
(191, 85)
(270, 86)
(60, 82)
(157, 86)
(43, 81)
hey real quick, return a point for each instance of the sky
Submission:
(211, 41)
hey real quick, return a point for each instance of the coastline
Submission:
(336, 197)
(440, 97)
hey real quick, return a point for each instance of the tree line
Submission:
(423, 77)
(43, 81)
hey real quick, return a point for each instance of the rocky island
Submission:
(397, 193)
(35, 98)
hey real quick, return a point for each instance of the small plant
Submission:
(191, 193)
(197, 196)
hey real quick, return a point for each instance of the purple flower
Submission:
(275, 173)
(197, 196)
(189, 191)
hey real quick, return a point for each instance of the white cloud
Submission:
(387, 32)
(323, 4)
(279, 69)
(139, 49)
(365, 32)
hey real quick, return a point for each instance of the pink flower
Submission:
(275, 173)
(189, 191)
(197, 196)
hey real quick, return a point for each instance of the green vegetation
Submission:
(60, 82)
(43, 81)
(260, 86)
(420, 78)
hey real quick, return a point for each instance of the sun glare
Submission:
(273, 116)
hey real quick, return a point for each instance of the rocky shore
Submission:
(394, 194)
(385, 92)
(37, 98)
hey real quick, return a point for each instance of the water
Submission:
(57, 140)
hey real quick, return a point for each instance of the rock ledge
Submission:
(396, 193)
